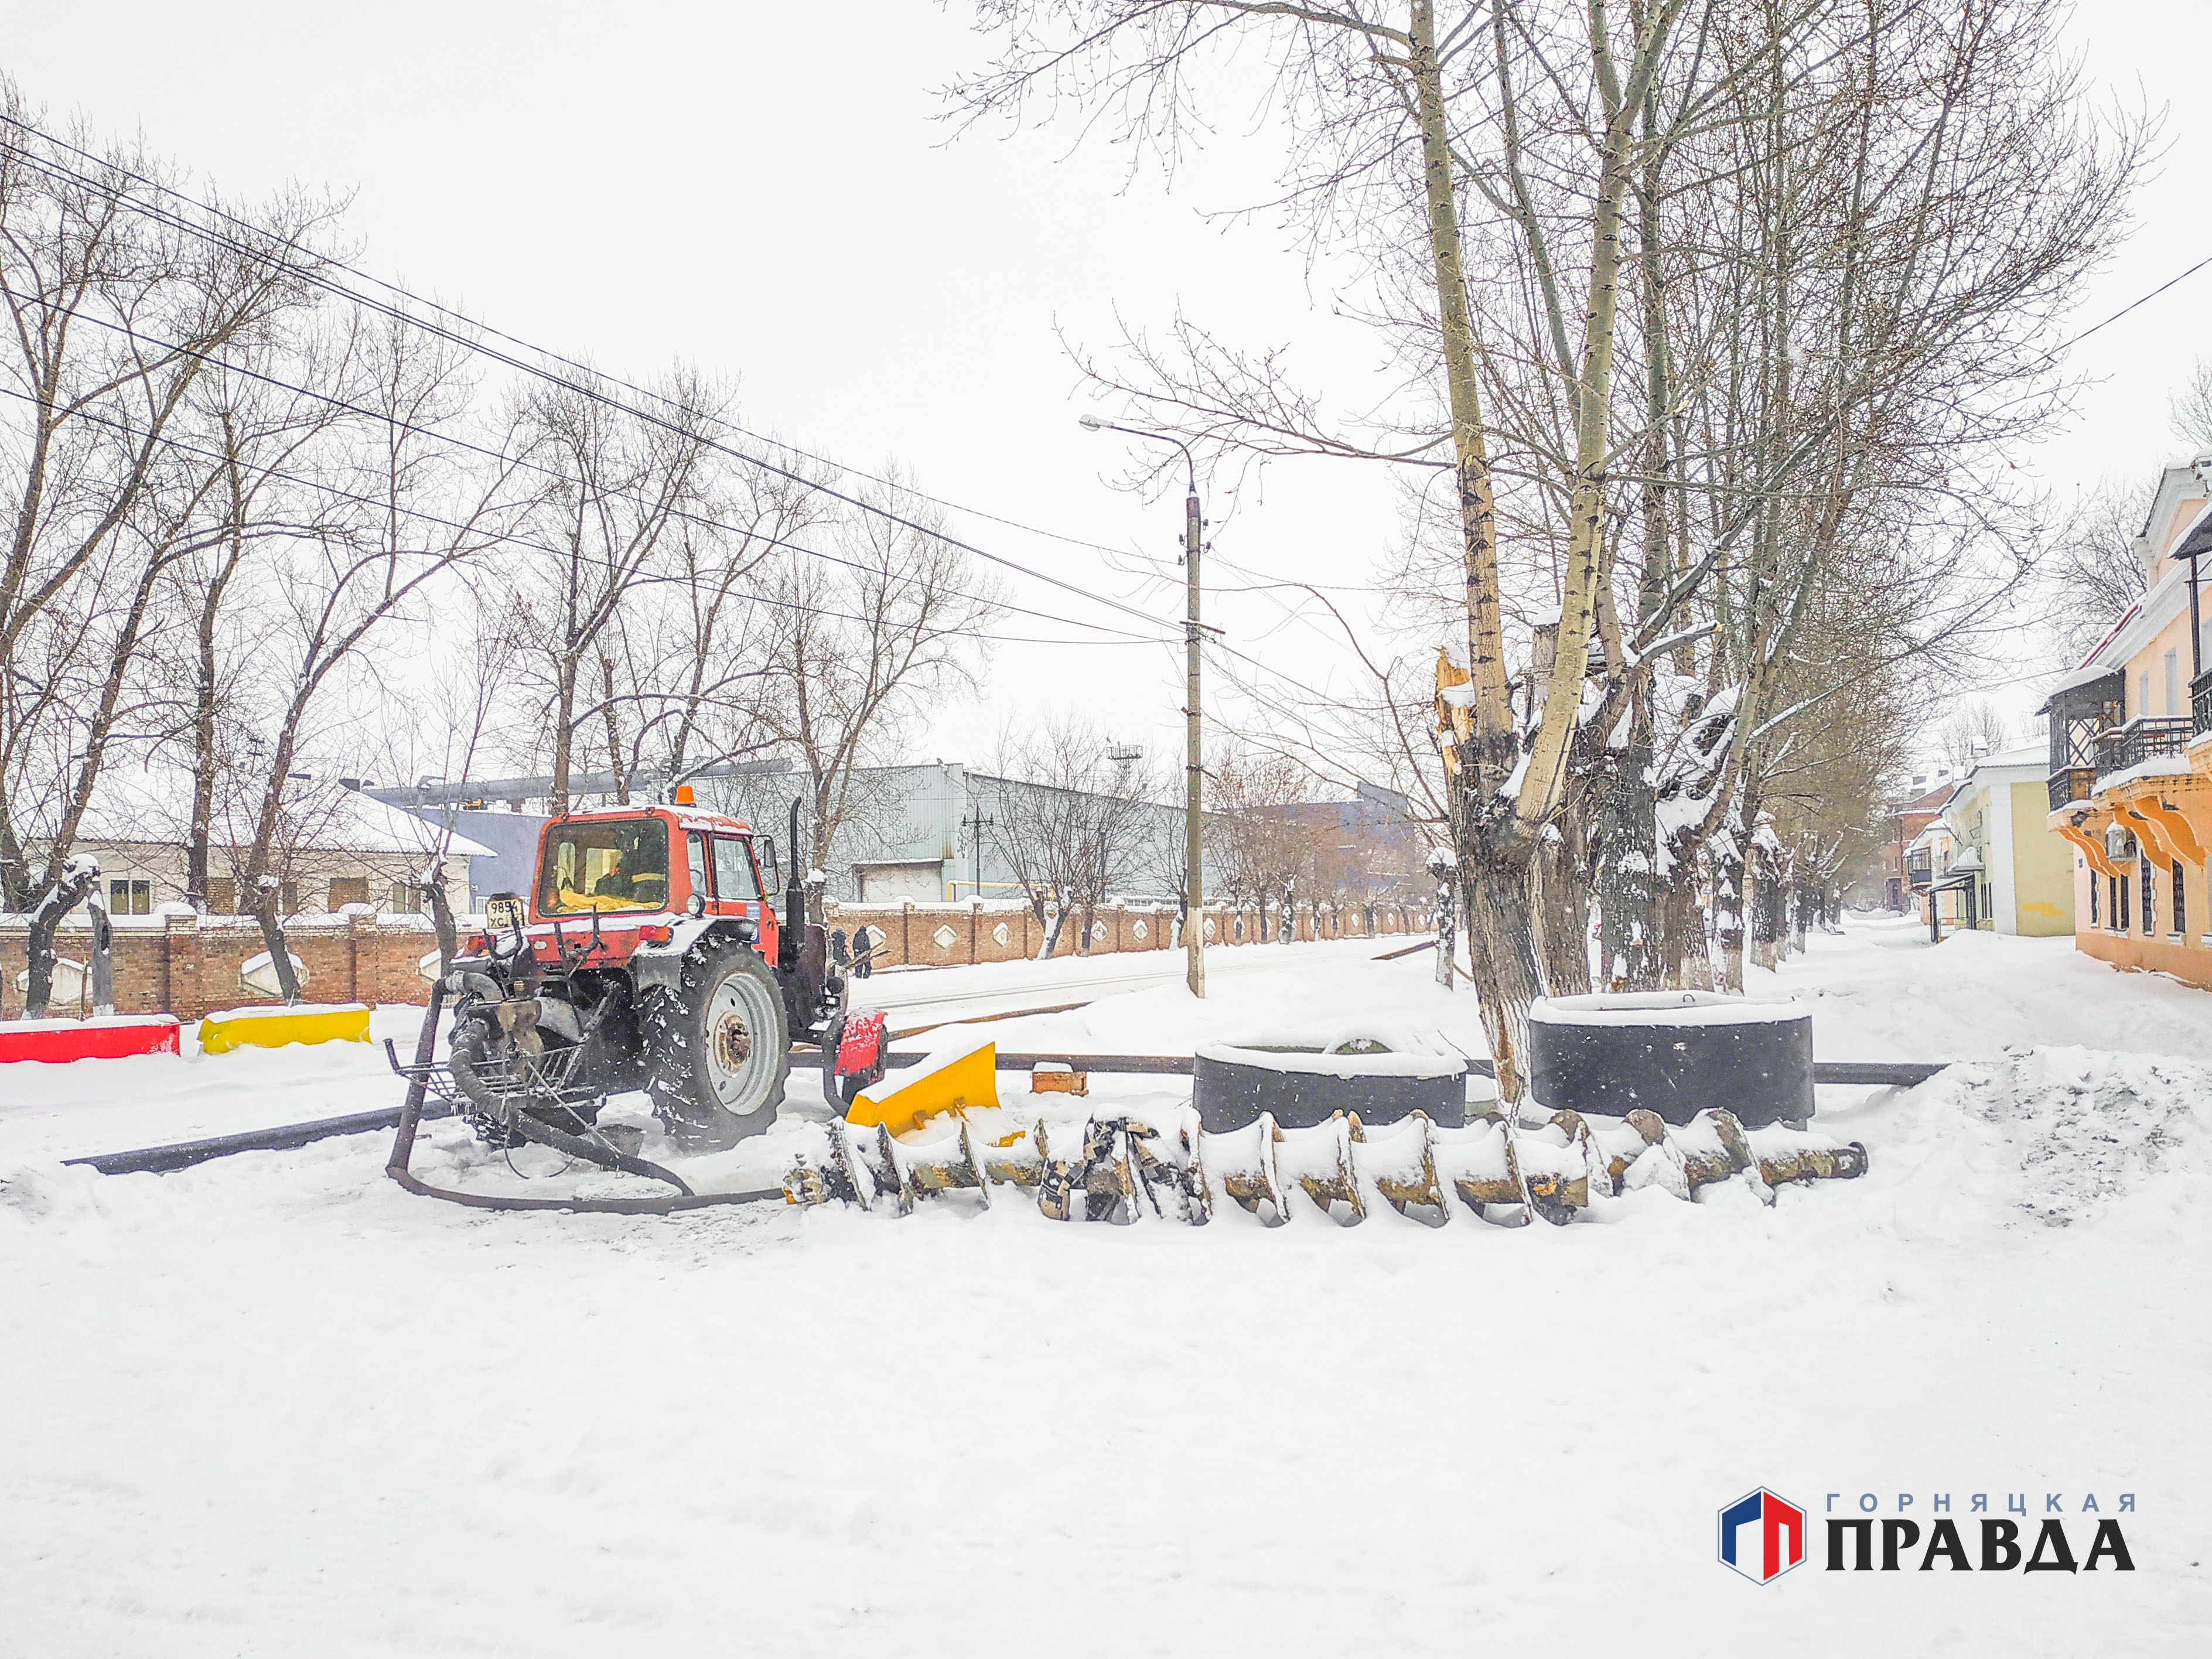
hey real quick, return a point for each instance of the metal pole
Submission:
(1193, 921)
(2196, 629)
(1193, 851)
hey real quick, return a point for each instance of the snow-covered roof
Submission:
(2027, 760)
(2137, 628)
(2197, 540)
(356, 822)
(133, 807)
(2090, 671)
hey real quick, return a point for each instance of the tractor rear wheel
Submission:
(717, 1048)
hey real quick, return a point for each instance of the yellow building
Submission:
(2130, 765)
(2025, 883)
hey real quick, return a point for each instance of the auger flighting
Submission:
(1122, 1167)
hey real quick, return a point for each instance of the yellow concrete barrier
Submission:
(273, 1028)
(955, 1083)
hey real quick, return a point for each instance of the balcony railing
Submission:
(2200, 701)
(1918, 870)
(2072, 784)
(2141, 740)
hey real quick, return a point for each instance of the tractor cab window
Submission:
(619, 864)
(694, 860)
(733, 870)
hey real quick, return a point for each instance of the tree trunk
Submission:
(1690, 966)
(1560, 904)
(614, 733)
(564, 743)
(1501, 949)
(1628, 893)
(267, 908)
(201, 833)
(102, 965)
(1728, 877)
(77, 879)
(1759, 915)
(442, 917)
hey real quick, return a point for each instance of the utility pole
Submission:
(1193, 850)
(975, 826)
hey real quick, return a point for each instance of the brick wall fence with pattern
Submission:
(188, 965)
(918, 935)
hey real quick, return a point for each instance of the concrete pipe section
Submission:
(1675, 1052)
(1382, 1075)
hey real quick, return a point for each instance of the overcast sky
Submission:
(761, 188)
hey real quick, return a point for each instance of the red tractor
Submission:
(649, 956)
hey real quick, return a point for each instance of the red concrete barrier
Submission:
(112, 1037)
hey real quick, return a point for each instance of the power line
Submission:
(2141, 301)
(504, 538)
(315, 277)
(457, 442)
(405, 294)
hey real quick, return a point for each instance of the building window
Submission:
(348, 890)
(406, 899)
(2120, 904)
(2142, 694)
(130, 898)
(2149, 900)
(2173, 682)
(2095, 882)
(2180, 907)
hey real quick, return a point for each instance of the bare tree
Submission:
(2092, 576)
(615, 489)
(682, 669)
(117, 312)
(420, 515)
(1976, 729)
(2192, 407)
(1765, 212)
(860, 635)
(1070, 821)
(1262, 846)
(260, 434)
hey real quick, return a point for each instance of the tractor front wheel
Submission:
(717, 1046)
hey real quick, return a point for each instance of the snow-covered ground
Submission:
(274, 1405)
(916, 997)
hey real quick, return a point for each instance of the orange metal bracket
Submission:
(2151, 834)
(2176, 825)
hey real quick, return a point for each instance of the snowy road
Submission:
(113, 1105)
(275, 1405)
(917, 995)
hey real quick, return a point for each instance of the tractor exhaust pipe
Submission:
(794, 901)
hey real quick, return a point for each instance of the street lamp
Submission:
(1194, 901)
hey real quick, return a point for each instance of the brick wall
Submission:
(188, 965)
(948, 935)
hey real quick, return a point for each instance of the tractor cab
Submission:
(627, 876)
